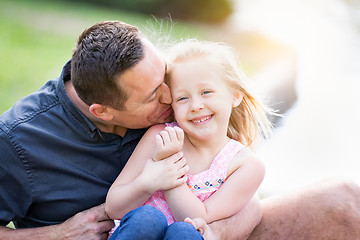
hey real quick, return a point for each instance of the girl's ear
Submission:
(101, 111)
(238, 97)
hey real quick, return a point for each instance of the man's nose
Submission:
(165, 94)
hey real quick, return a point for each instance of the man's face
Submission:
(149, 97)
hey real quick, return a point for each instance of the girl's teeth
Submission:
(201, 120)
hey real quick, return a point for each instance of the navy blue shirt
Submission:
(54, 162)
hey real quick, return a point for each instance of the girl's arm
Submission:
(142, 176)
(229, 199)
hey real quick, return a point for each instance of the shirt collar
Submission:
(69, 105)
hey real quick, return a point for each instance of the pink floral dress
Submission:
(203, 184)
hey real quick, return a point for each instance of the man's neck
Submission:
(108, 128)
(84, 108)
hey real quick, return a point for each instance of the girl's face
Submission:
(202, 100)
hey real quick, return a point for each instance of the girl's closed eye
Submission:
(206, 92)
(181, 99)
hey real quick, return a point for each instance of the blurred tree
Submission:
(213, 11)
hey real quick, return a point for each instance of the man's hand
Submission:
(91, 224)
(202, 228)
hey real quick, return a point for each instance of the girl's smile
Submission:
(201, 120)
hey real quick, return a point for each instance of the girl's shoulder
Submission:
(151, 133)
(244, 157)
(155, 129)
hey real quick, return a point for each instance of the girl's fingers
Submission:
(179, 134)
(173, 159)
(181, 180)
(181, 163)
(159, 141)
(172, 134)
(182, 169)
(165, 137)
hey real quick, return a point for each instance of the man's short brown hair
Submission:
(103, 52)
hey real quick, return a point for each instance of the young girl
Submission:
(217, 120)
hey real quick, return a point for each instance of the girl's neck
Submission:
(200, 154)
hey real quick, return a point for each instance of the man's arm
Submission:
(238, 226)
(329, 209)
(90, 224)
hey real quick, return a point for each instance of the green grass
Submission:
(28, 58)
(11, 225)
(37, 38)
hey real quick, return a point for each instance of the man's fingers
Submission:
(92, 223)
(189, 220)
(198, 223)
(98, 212)
(107, 225)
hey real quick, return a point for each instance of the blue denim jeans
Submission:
(149, 223)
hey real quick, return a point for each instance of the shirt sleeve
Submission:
(15, 190)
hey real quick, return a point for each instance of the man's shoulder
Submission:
(30, 107)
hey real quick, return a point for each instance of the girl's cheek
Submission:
(179, 112)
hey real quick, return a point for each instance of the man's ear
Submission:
(237, 99)
(101, 111)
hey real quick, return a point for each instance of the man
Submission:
(62, 146)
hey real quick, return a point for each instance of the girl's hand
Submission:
(166, 174)
(168, 142)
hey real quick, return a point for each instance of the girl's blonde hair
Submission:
(249, 121)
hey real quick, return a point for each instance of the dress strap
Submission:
(223, 158)
(172, 124)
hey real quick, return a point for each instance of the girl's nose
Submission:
(165, 96)
(196, 105)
